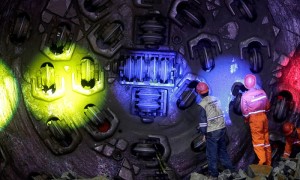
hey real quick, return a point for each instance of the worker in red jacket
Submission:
(254, 104)
(292, 138)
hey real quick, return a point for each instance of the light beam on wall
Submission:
(290, 78)
(8, 95)
(61, 89)
(227, 71)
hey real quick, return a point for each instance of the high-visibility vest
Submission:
(254, 101)
(214, 113)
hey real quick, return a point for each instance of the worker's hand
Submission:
(268, 107)
(246, 119)
(198, 129)
(284, 158)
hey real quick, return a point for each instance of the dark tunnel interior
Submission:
(106, 88)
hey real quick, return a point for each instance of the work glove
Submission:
(204, 138)
(284, 158)
(246, 119)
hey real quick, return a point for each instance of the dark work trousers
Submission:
(216, 150)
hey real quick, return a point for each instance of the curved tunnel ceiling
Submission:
(107, 86)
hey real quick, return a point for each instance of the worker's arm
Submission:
(244, 110)
(268, 106)
(246, 119)
(288, 147)
(202, 121)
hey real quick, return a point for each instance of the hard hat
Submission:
(288, 128)
(201, 88)
(250, 81)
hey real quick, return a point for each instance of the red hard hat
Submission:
(202, 88)
(250, 81)
(288, 128)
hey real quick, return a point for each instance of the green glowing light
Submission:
(8, 95)
(50, 90)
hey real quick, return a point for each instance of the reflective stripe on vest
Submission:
(202, 124)
(296, 142)
(255, 112)
(259, 98)
(215, 117)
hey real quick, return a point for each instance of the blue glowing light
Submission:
(227, 71)
(146, 76)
